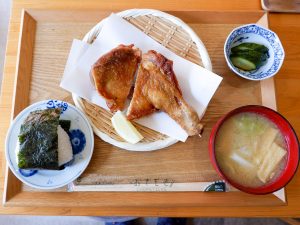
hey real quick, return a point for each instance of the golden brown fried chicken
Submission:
(113, 74)
(156, 87)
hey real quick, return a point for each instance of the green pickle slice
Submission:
(249, 56)
(250, 46)
(242, 63)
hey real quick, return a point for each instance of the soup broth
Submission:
(250, 150)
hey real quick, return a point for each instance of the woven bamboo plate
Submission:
(172, 33)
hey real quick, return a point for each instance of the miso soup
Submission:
(250, 150)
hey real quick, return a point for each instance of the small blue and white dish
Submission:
(81, 138)
(256, 34)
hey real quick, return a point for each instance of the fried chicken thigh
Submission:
(156, 88)
(113, 74)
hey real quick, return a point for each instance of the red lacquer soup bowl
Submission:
(290, 138)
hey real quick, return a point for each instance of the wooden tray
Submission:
(45, 41)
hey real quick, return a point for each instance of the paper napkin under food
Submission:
(197, 84)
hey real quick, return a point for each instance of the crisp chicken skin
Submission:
(156, 88)
(113, 74)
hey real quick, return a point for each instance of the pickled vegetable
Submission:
(250, 46)
(249, 56)
(242, 63)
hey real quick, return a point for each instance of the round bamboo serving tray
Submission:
(172, 33)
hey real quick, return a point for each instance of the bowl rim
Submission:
(268, 187)
(234, 69)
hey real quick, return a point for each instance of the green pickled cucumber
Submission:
(257, 58)
(242, 63)
(249, 46)
(249, 56)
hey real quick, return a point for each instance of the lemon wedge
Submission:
(125, 129)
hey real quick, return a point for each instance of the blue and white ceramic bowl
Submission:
(256, 34)
(81, 137)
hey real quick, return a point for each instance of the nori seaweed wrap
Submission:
(65, 124)
(39, 140)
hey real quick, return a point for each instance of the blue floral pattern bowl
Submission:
(257, 34)
(81, 137)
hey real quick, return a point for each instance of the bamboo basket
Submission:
(172, 33)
